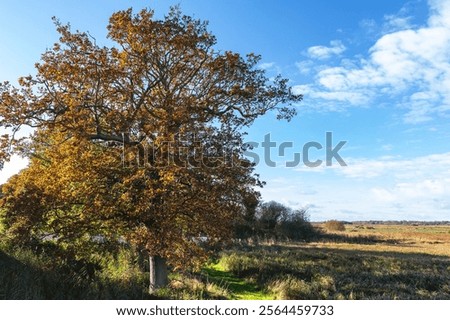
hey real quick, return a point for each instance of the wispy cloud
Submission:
(434, 166)
(389, 187)
(322, 52)
(395, 23)
(410, 66)
(417, 184)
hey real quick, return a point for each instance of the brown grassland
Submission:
(414, 239)
(363, 262)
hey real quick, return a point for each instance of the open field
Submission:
(363, 262)
(423, 239)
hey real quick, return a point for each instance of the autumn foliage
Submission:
(114, 151)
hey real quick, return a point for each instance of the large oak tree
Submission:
(138, 142)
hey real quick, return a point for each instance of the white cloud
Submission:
(322, 52)
(301, 89)
(412, 65)
(382, 195)
(435, 166)
(440, 11)
(304, 67)
(343, 96)
(389, 187)
(409, 185)
(404, 193)
(395, 23)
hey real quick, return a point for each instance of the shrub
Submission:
(291, 288)
(334, 225)
(275, 221)
(296, 226)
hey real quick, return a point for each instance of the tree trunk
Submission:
(158, 273)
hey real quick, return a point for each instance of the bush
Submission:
(273, 221)
(334, 225)
(296, 227)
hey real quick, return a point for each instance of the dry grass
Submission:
(432, 240)
(363, 262)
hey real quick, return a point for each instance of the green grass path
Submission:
(238, 288)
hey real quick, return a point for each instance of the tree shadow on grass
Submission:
(357, 239)
(23, 281)
(335, 273)
(391, 275)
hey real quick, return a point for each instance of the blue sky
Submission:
(374, 73)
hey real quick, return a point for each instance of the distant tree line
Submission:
(401, 222)
(272, 221)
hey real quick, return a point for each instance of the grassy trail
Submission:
(238, 288)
